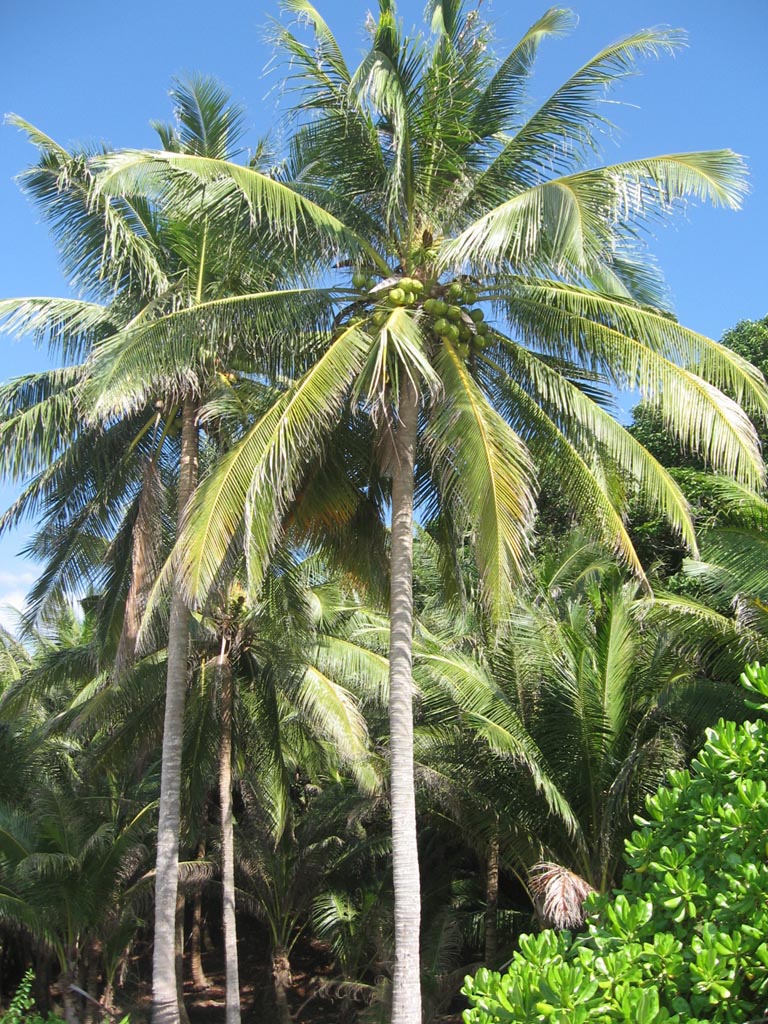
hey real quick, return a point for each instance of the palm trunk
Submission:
(93, 964)
(199, 979)
(164, 1002)
(143, 566)
(491, 901)
(232, 1015)
(69, 998)
(181, 905)
(281, 975)
(406, 990)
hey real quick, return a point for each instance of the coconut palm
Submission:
(443, 193)
(188, 259)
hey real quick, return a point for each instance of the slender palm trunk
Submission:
(181, 906)
(491, 900)
(143, 566)
(406, 992)
(232, 1013)
(68, 997)
(199, 979)
(165, 1008)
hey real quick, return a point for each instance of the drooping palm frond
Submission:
(256, 479)
(105, 244)
(485, 469)
(178, 176)
(561, 894)
(171, 354)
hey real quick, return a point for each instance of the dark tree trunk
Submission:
(199, 979)
(181, 904)
(491, 901)
(143, 566)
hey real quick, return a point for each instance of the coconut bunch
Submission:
(450, 308)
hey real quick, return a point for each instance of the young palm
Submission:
(421, 170)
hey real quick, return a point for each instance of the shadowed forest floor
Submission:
(311, 964)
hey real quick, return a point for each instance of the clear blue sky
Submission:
(90, 71)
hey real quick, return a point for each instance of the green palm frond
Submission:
(258, 477)
(333, 712)
(566, 124)
(180, 175)
(171, 354)
(67, 326)
(104, 244)
(569, 467)
(322, 73)
(500, 104)
(493, 719)
(207, 122)
(534, 392)
(572, 223)
(567, 330)
(38, 414)
(484, 468)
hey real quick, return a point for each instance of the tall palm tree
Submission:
(422, 172)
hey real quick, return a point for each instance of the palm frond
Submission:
(483, 466)
(251, 487)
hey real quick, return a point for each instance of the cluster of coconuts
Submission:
(451, 309)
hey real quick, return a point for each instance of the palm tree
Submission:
(442, 194)
(185, 259)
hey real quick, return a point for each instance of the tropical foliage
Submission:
(684, 938)
(279, 695)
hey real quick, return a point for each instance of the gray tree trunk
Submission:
(165, 1008)
(70, 1000)
(406, 988)
(232, 1014)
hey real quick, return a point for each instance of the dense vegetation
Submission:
(683, 940)
(363, 629)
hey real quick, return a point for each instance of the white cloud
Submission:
(16, 580)
(12, 604)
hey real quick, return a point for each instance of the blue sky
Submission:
(93, 71)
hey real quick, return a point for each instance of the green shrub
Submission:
(685, 939)
(21, 1009)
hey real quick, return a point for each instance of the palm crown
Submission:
(444, 194)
